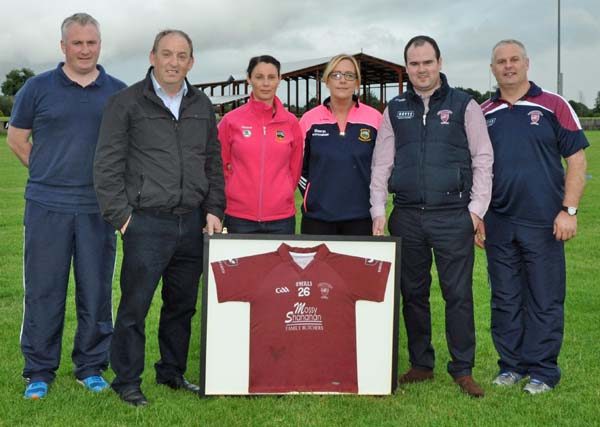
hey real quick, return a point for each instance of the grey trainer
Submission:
(536, 387)
(507, 378)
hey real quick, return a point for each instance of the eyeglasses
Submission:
(337, 75)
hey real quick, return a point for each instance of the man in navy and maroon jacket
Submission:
(532, 213)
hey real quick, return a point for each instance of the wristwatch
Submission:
(570, 210)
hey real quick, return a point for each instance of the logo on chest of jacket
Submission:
(246, 133)
(490, 122)
(405, 115)
(364, 135)
(320, 132)
(444, 116)
(535, 117)
(280, 136)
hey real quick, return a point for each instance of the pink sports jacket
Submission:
(262, 159)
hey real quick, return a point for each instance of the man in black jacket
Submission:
(159, 180)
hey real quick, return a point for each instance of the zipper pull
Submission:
(424, 117)
(264, 130)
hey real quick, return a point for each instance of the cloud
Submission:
(226, 33)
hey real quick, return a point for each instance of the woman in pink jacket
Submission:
(261, 146)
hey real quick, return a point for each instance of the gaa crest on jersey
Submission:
(444, 116)
(280, 135)
(490, 122)
(405, 115)
(325, 289)
(535, 116)
(364, 135)
(370, 261)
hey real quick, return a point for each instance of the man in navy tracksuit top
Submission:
(532, 213)
(433, 152)
(61, 109)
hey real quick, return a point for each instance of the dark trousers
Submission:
(52, 241)
(357, 227)
(245, 226)
(450, 234)
(157, 245)
(526, 268)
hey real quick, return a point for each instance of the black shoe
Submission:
(180, 383)
(133, 396)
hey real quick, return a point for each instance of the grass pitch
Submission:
(574, 402)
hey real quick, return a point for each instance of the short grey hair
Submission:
(167, 32)
(508, 41)
(82, 19)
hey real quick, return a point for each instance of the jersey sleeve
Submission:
(304, 128)
(297, 152)
(225, 140)
(23, 110)
(235, 278)
(570, 136)
(366, 278)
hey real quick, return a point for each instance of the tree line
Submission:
(17, 78)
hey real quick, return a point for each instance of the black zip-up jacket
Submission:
(432, 163)
(146, 159)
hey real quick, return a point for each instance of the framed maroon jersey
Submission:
(302, 332)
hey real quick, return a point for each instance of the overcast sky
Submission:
(226, 33)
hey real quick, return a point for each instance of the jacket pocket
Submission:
(138, 198)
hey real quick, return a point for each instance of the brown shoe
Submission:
(468, 385)
(416, 375)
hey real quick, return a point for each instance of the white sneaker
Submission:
(507, 378)
(536, 387)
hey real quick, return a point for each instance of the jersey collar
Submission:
(534, 90)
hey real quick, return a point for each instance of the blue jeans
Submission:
(245, 226)
(157, 245)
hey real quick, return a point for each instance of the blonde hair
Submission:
(333, 62)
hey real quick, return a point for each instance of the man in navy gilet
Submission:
(434, 154)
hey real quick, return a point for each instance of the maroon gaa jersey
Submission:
(302, 315)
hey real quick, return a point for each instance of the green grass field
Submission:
(576, 401)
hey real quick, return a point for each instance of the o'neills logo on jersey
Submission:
(405, 115)
(303, 283)
(535, 117)
(280, 135)
(444, 116)
(490, 122)
(320, 132)
(325, 289)
(303, 318)
(364, 135)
